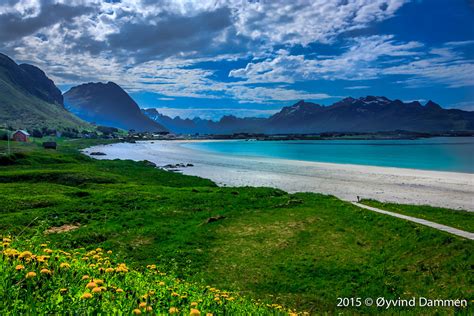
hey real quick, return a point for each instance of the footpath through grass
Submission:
(302, 251)
(463, 220)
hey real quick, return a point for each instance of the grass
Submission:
(463, 220)
(40, 280)
(302, 251)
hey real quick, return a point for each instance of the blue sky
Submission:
(250, 58)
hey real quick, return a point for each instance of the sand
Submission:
(408, 186)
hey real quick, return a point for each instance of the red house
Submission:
(20, 136)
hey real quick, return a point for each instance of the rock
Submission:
(214, 219)
(189, 165)
(97, 153)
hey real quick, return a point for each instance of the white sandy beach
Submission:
(408, 186)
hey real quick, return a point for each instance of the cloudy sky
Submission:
(249, 57)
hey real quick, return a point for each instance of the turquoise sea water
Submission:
(441, 153)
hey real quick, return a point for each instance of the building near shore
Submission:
(20, 136)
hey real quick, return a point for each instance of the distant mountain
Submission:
(29, 99)
(108, 104)
(226, 125)
(365, 114)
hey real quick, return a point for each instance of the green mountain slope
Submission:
(29, 99)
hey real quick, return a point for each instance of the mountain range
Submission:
(29, 99)
(108, 104)
(365, 114)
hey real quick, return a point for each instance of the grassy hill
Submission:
(302, 251)
(28, 99)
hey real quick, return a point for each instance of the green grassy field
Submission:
(463, 220)
(299, 250)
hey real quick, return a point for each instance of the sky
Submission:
(249, 57)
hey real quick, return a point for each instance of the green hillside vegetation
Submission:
(19, 108)
(302, 251)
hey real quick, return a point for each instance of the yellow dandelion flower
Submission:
(209, 314)
(142, 305)
(5, 244)
(92, 265)
(85, 277)
(119, 290)
(217, 299)
(99, 281)
(103, 288)
(85, 258)
(149, 308)
(194, 312)
(86, 296)
(25, 254)
(64, 265)
(19, 267)
(161, 283)
(151, 292)
(30, 275)
(91, 285)
(194, 304)
(6, 239)
(96, 290)
(47, 250)
(45, 271)
(174, 294)
(98, 249)
(109, 270)
(173, 310)
(63, 290)
(109, 252)
(95, 257)
(43, 245)
(136, 311)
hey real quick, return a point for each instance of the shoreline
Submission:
(346, 181)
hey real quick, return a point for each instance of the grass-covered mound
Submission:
(38, 280)
(299, 250)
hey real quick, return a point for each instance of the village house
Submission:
(20, 136)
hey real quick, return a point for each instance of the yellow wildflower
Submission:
(119, 290)
(109, 270)
(5, 244)
(96, 290)
(173, 310)
(86, 296)
(48, 250)
(109, 252)
(149, 308)
(25, 254)
(136, 311)
(19, 267)
(30, 274)
(174, 294)
(99, 281)
(194, 304)
(85, 277)
(65, 265)
(44, 245)
(194, 312)
(161, 283)
(63, 290)
(6, 239)
(98, 249)
(91, 285)
(45, 271)
(142, 305)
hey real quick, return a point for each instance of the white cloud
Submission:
(356, 63)
(357, 87)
